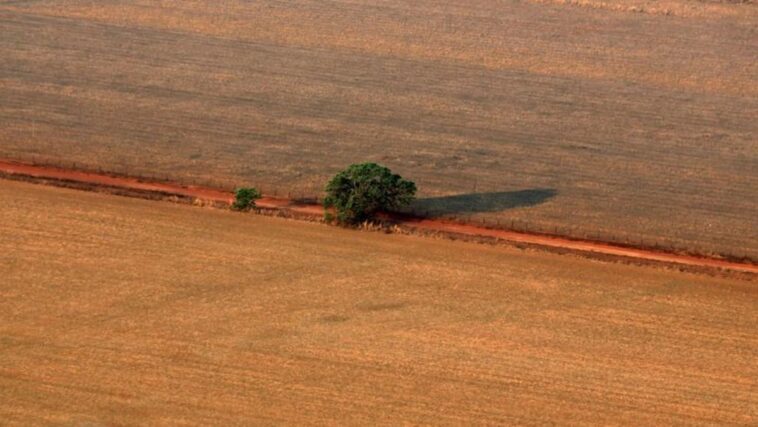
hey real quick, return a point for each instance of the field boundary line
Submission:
(138, 187)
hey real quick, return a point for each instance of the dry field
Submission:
(632, 117)
(123, 311)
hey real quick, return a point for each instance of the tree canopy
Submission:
(360, 191)
(244, 198)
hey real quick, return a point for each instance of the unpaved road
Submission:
(424, 224)
(120, 311)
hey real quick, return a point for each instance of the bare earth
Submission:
(123, 311)
(633, 118)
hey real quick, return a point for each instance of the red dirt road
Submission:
(50, 172)
(209, 194)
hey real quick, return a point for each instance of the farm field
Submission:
(116, 310)
(629, 119)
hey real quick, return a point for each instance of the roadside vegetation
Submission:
(362, 190)
(244, 199)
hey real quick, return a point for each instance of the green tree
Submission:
(244, 199)
(360, 191)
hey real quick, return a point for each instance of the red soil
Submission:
(113, 181)
(209, 194)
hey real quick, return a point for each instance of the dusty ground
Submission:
(629, 118)
(118, 310)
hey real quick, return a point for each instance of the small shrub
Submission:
(244, 199)
(360, 191)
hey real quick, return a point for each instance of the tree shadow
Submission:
(482, 202)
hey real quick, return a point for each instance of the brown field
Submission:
(633, 119)
(123, 311)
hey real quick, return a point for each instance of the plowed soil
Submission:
(630, 118)
(124, 311)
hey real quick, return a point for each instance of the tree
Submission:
(244, 199)
(360, 191)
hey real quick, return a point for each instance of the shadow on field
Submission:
(483, 202)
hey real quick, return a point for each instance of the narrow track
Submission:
(434, 225)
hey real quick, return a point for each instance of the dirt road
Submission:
(209, 194)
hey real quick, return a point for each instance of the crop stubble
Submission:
(126, 311)
(644, 124)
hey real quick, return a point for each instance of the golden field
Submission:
(123, 311)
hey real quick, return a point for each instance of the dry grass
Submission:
(123, 311)
(743, 9)
(643, 123)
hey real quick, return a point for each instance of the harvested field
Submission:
(117, 310)
(587, 116)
